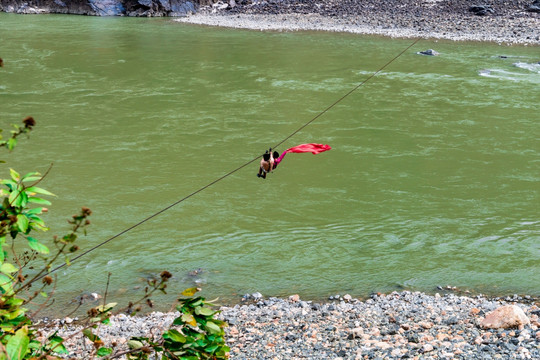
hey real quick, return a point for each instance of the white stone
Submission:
(509, 316)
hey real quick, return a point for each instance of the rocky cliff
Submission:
(103, 7)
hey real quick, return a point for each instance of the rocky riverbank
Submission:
(505, 22)
(394, 326)
(501, 21)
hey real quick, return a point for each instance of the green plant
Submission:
(19, 216)
(194, 335)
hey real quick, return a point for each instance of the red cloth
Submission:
(312, 148)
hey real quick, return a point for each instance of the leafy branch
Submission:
(195, 334)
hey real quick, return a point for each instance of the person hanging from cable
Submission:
(271, 160)
(278, 158)
(266, 165)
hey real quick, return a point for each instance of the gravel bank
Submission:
(505, 22)
(394, 326)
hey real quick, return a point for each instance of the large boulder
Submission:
(107, 7)
(160, 7)
(182, 8)
(509, 316)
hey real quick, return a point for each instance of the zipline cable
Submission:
(235, 170)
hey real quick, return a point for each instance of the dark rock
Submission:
(428, 52)
(534, 7)
(510, 347)
(291, 337)
(391, 330)
(451, 321)
(413, 338)
(481, 10)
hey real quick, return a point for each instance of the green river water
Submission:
(433, 178)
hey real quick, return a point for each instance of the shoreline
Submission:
(422, 19)
(390, 326)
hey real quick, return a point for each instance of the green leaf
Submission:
(200, 310)
(190, 292)
(35, 220)
(213, 328)
(6, 284)
(224, 350)
(135, 344)
(32, 175)
(90, 335)
(22, 200)
(189, 319)
(14, 301)
(34, 345)
(40, 201)
(8, 182)
(8, 268)
(37, 246)
(14, 175)
(212, 302)
(104, 351)
(18, 344)
(13, 197)
(211, 348)
(22, 223)
(56, 343)
(35, 211)
(11, 143)
(175, 336)
(31, 179)
(105, 308)
(196, 302)
(37, 190)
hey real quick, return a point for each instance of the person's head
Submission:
(266, 157)
(275, 155)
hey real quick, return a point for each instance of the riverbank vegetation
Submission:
(28, 280)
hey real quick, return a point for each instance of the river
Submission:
(432, 180)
